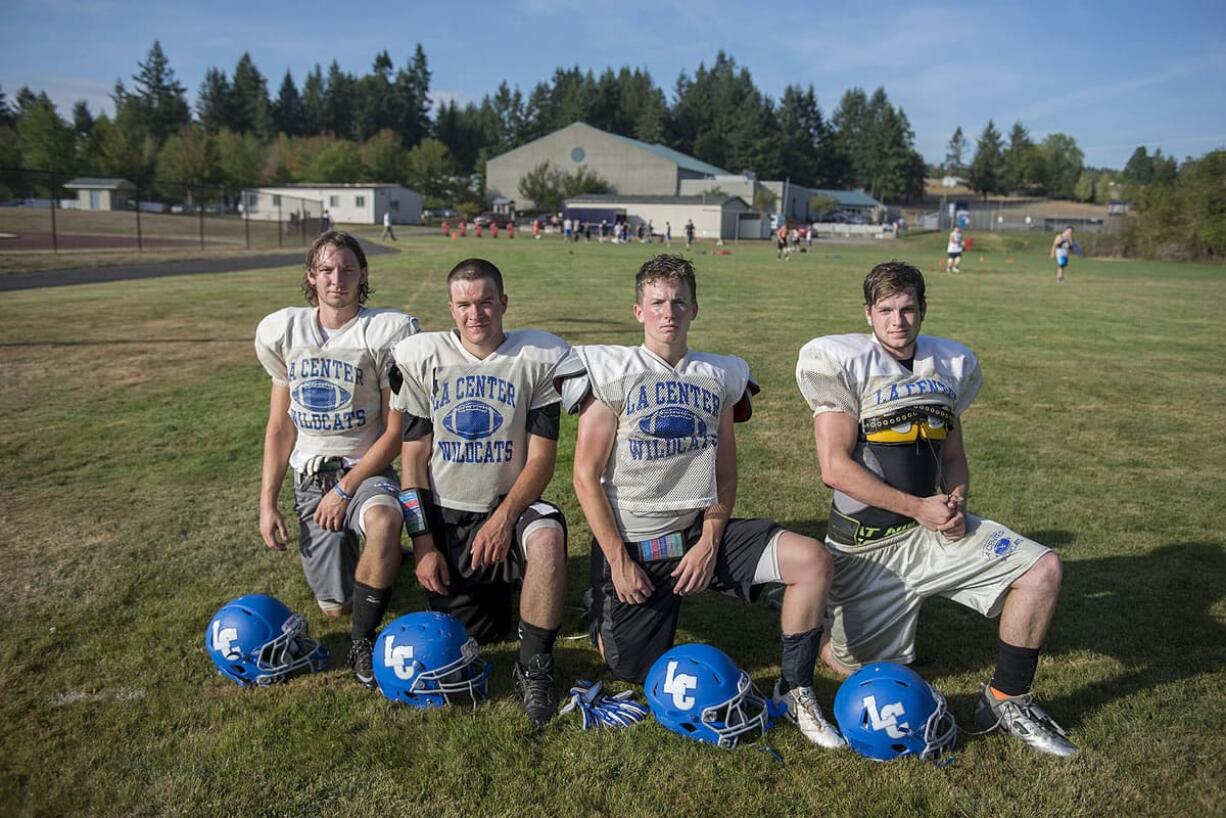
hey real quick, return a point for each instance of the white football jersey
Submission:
(662, 468)
(479, 408)
(335, 383)
(854, 374)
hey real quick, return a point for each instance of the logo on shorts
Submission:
(672, 423)
(319, 395)
(1000, 544)
(472, 420)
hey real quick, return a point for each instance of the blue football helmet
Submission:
(256, 639)
(698, 692)
(424, 659)
(886, 711)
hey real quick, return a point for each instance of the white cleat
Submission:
(803, 710)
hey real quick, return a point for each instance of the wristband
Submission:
(413, 504)
(341, 493)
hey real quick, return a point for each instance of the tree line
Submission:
(336, 126)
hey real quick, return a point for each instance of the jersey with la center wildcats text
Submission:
(335, 384)
(663, 459)
(478, 408)
(903, 415)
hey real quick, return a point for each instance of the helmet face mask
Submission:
(887, 711)
(698, 692)
(428, 660)
(256, 639)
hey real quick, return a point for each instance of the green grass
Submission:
(134, 417)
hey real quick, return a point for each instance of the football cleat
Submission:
(800, 707)
(1020, 716)
(535, 686)
(360, 659)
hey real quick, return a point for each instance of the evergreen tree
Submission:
(314, 102)
(46, 140)
(1022, 162)
(8, 118)
(987, 168)
(338, 103)
(851, 129)
(411, 95)
(1140, 168)
(1062, 163)
(251, 99)
(215, 103)
(287, 111)
(1165, 169)
(158, 96)
(955, 154)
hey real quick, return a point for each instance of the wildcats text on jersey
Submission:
(321, 401)
(474, 417)
(662, 412)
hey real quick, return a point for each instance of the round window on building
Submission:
(577, 154)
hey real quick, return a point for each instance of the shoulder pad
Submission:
(743, 410)
(571, 379)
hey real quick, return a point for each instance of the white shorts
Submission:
(879, 587)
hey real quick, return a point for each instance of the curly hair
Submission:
(665, 267)
(341, 241)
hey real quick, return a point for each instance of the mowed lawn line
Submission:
(184, 747)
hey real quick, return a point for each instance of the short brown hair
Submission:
(341, 241)
(475, 269)
(892, 277)
(665, 267)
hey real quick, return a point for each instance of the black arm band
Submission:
(417, 505)
(415, 428)
(545, 421)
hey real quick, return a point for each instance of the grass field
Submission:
(135, 417)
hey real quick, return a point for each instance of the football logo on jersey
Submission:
(672, 423)
(472, 420)
(319, 395)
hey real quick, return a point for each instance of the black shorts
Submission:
(634, 636)
(482, 599)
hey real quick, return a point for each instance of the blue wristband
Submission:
(340, 492)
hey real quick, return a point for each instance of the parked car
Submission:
(842, 217)
(490, 217)
(438, 214)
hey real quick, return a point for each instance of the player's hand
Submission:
(694, 571)
(956, 527)
(493, 541)
(933, 512)
(631, 583)
(431, 569)
(330, 513)
(272, 529)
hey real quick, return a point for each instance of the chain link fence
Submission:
(55, 212)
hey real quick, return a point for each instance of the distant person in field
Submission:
(689, 233)
(566, 226)
(668, 234)
(511, 229)
(329, 422)
(387, 226)
(446, 225)
(887, 420)
(1061, 248)
(325, 222)
(536, 229)
(480, 444)
(655, 472)
(953, 250)
(781, 242)
(493, 228)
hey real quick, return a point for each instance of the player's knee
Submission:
(547, 546)
(1048, 571)
(808, 562)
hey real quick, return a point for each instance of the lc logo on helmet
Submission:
(679, 685)
(887, 718)
(398, 658)
(224, 639)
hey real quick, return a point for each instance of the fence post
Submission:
(280, 225)
(201, 206)
(55, 241)
(140, 243)
(302, 220)
(242, 200)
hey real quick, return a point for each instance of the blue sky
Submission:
(1113, 75)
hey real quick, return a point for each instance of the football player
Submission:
(480, 444)
(1061, 247)
(656, 475)
(887, 410)
(328, 420)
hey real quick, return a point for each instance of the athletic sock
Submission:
(1015, 669)
(534, 640)
(799, 658)
(369, 606)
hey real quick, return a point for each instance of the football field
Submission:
(135, 417)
